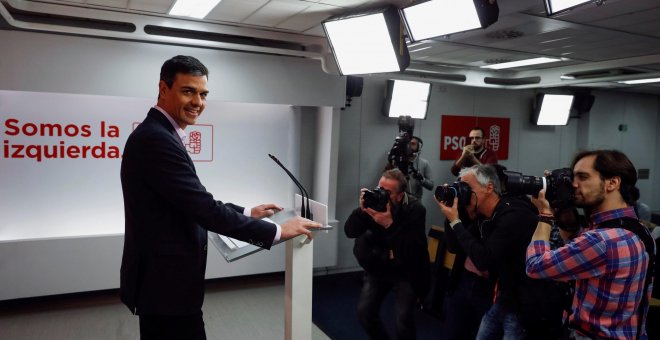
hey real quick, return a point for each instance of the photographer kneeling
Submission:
(389, 227)
(494, 242)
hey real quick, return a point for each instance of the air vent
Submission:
(436, 75)
(68, 21)
(226, 38)
(599, 74)
(512, 81)
(505, 34)
(497, 61)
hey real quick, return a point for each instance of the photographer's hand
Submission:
(451, 213)
(542, 204)
(416, 174)
(383, 218)
(362, 198)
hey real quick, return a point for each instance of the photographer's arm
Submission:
(546, 218)
(427, 182)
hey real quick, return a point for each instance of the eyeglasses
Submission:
(477, 138)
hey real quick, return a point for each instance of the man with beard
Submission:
(474, 153)
(608, 260)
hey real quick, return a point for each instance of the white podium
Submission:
(298, 268)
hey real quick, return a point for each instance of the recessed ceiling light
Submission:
(519, 63)
(639, 81)
(193, 8)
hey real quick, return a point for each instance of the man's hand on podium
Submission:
(265, 210)
(298, 226)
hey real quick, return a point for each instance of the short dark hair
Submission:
(398, 176)
(181, 64)
(613, 163)
(483, 133)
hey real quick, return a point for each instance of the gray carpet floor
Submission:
(234, 309)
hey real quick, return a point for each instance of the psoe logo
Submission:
(199, 142)
(494, 138)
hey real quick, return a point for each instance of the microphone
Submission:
(304, 209)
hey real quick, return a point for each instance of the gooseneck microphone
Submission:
(304, 209)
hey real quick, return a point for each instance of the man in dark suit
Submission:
(168, 212)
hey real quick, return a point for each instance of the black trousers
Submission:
(374, 291)
(174, 327)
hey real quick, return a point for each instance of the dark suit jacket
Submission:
(168, 212)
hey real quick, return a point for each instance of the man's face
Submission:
(589, 187)
(476, 138)
(479, 194)
(393, 186)
(186, 100)
(414, 145)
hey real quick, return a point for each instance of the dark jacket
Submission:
(167, 215)
(500, 244)
(406, 238)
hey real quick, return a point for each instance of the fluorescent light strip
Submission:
(193, 8)
(520, 63)
(639, 81)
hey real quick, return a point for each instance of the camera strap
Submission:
(633, 225)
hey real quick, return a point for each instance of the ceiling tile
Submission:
(308, 18)
(155, 6)
(276, 12)
(235, 10)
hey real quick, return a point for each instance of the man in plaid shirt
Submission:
(609, 264)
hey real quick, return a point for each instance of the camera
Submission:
(376, 199)
(446, 194)
(558, 186)
(400, 152)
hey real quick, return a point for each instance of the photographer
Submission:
(420, 171)
(404, 155)
(609, 259)
(389, 227)
(494, 243)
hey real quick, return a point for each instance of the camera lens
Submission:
(376, 199)
(445, 194)
(517, 183)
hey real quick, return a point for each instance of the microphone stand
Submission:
(304, 209)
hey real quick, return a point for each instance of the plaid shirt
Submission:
(609, 266)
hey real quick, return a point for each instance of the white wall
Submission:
(41, 62)
(366, 136)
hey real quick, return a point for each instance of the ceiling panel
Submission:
(155, 6)
(619, 33)
(235, 10)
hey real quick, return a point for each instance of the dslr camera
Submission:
(446, 194)
(376, 199)
(400, 151)
(558, 186)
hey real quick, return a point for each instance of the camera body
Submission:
(558, 186)
(376, 199)
(446, 194)
(400, 152)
